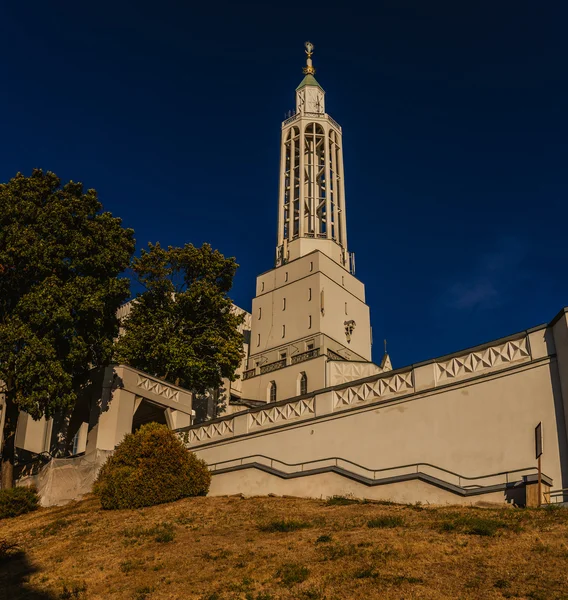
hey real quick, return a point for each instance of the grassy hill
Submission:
(285, 548)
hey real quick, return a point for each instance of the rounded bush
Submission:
(151, 466)
(18, 501)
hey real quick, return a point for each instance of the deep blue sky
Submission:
(455, 137)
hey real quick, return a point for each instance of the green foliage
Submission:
(341, 501)
(149, 467)
(292, 573)
(60, 257)
(55, 527)
(182, 328)
(387, 521)
(142, 593)
(18, 501)
(284, 525)
(323, 539)
(365, 573)
(476, 525)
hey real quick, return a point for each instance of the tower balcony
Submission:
(312, 115)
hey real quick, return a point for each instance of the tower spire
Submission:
(309, 69)
(311, 212)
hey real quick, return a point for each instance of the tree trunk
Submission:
(8, 446)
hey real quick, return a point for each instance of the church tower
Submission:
(310, 309)
(312, 194)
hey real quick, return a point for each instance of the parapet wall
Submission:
(447, 430)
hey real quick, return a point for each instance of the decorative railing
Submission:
(334, 123)
(467, 365)
(333, 355)
(208, 432)
(273, 366)
(281, 413)
(158, 387)
(290, 119)
(248, 374)
(401, 383)
(298, 358)
(314, 115)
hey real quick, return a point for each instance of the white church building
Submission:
(311, 414)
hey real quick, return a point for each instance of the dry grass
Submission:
(269, 548)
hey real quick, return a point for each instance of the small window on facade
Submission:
(258, 340)
(309, 294)
(309, 321)
(346, 308)
(286, 276)
(303, 384)
(283, 355)
(272, 391)
(283, 330)
(259, 313)
(311, 266)
(283, 303)
(262, 287)
(309, 346)
(342, 280)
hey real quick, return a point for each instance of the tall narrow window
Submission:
(262, 286)
(283, 303)
(258, 340)
(346, 308)
(303, 384)
(311, 266)
(259, 313)
(309, 321)
(286, 276)
(309, 294)
(283, 330)
(272, 391)
(342, 280)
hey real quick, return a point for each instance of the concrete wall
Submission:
(123, 390)
(472, 413)
(308, 296)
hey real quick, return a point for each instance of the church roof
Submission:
(309, 80)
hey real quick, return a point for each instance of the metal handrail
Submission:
(336, 459)
(560, 493)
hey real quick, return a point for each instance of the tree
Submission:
(183, 327)
(60, 257)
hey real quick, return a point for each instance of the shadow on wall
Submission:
(516, 495)
(560, 426)
(15, 570)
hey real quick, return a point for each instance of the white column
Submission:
(336, 194)
(327, 175)
(282, 188)
(341, 197)
(301, 183)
